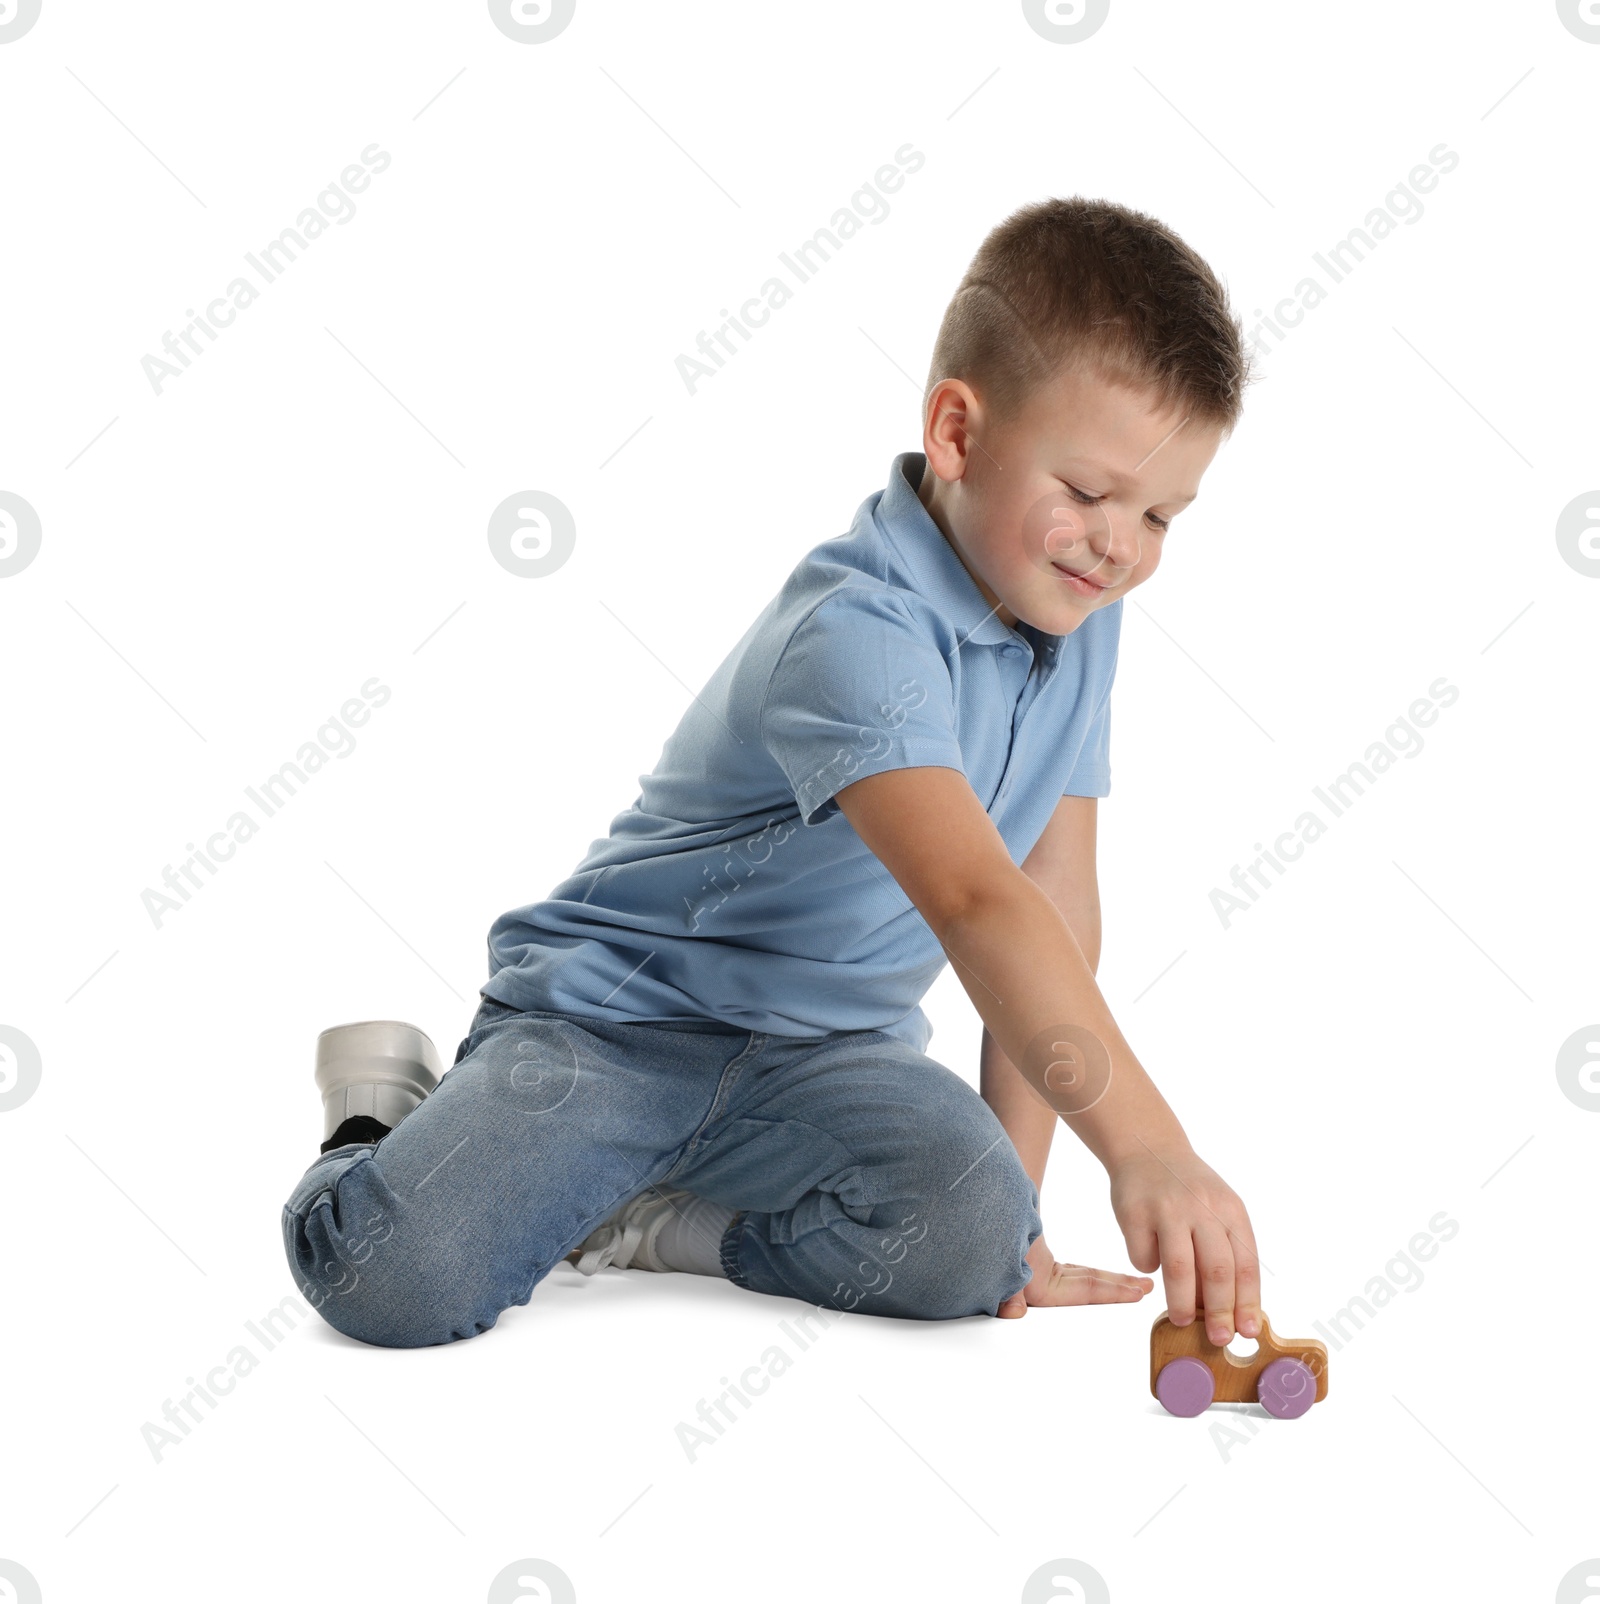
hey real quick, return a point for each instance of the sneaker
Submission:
(373, 1073)
(627, 1240)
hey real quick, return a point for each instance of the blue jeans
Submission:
(866, 1177)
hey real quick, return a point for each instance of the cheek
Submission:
(1049, 527)
(1149, 561)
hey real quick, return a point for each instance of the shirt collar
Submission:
(931, 564)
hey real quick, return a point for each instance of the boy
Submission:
(704, 1051)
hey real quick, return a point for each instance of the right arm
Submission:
(1019, 962)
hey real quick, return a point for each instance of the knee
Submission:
(966, 1245)
(377, 1275)
(993, 1227)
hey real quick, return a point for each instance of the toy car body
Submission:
(1189, 1372)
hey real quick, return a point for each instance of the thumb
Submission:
(1013, 1307)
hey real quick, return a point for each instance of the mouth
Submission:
(1082, 584)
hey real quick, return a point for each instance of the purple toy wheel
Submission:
(1287, 1388)
(1185, 1386)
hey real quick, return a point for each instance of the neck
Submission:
(929, 494)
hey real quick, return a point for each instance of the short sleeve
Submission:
(859, 688)
(1091, 774)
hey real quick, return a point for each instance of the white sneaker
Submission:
(627, 1240)
(380, 1068)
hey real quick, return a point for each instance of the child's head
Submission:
(1087, 369)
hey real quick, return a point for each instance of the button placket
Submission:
(1008, 651)
(1041, 671)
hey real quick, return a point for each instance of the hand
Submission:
(1054, 1283)
(1178, 1214)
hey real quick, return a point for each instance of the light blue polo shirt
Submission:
(733, 888)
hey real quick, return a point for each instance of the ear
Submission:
(952, 422)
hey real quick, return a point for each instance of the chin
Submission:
(1065, 626)
(1070, 611)
(1056, 620)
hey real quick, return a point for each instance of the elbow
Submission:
(1083, 920)
(964, 904)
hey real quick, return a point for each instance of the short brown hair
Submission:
(1100, 289)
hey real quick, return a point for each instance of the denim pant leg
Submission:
(541, 1128)
(870, 1179)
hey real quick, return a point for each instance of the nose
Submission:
(1118, 542)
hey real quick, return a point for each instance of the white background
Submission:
(225, 563)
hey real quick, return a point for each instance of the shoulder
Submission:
(856, 639)
(849, 611)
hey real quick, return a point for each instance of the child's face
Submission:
(1079, 483)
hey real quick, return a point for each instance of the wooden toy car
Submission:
(1189, 1372)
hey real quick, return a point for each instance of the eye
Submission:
(1085, 499)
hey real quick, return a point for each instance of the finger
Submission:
(1014, 1307)
(1246, 1279)
(1082, 1283)
(1214, 1255)
(1177, 1273)
(1143, 1249)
